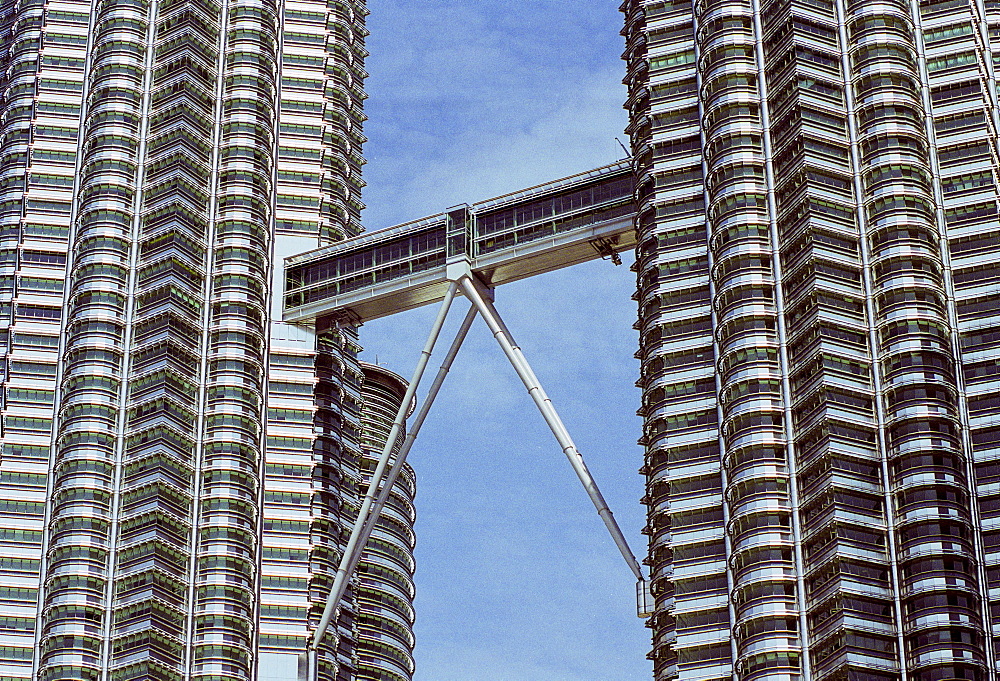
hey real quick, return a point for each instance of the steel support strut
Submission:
(380, 486)
(370, 508)
(418, 421)
(476, 292)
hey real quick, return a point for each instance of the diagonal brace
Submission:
(418, 421)
(382, 482)
(372, 507)
(480, 296)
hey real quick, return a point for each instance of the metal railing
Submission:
(510, 237)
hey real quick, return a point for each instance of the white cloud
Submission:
(517, 578)
(474, 101)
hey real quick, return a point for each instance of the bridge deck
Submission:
(511, 237)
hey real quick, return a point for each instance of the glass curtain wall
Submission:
(170, 478)
(817, 206)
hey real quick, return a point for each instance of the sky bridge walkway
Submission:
(507, 238)
(465, 250)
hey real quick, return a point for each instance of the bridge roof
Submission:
(510, 237)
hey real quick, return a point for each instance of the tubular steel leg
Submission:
(418, 421)
(480, 299)
(355, 545)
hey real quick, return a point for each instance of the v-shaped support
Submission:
(385, 475)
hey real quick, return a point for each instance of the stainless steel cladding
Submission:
(158, 158)
(817, 310)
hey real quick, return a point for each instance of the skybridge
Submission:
(467, 251)
(507, 238)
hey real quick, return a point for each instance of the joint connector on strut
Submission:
(458, 267)
(305, 662)
(644, 601)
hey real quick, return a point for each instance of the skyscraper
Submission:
(817, 211)
(385, 573)
(158, 158)
(820, 330)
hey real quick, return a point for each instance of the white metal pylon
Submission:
(381, 483)
(308, 667)
(474, 291)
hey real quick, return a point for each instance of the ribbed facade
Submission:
(174, 458)
(820, 334)
(385, 588)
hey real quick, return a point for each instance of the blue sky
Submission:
(517, 580)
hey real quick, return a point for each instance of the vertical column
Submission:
(928, 468)
(155, 515)
(762, 528)
(958, 42)
(227, 529)
(42, 104)
(88, 444)
(687, 547)
(313, 395)
(848, 552)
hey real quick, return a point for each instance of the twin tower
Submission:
(816, 227)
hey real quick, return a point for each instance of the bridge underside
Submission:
(511, 237)
(467, 248)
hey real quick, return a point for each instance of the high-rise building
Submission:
(819, 310)
(384, 588)
(819, 297)
(177, 465)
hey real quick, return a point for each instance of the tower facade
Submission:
(820, 332)
(175, 459)
(385, 591)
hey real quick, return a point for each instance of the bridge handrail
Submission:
(547, 187)
(388, 233)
